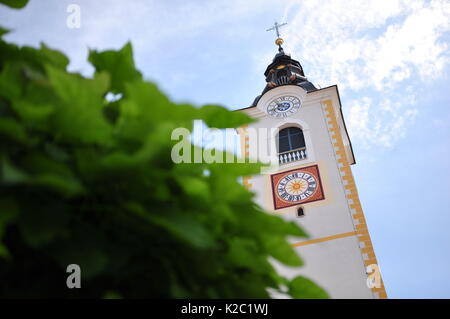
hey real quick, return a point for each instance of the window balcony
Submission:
(298, 154)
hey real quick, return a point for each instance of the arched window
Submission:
(290, 138)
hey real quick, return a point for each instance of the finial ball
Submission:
(279, 41)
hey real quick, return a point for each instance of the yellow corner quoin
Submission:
(245, 152)
(361, 230)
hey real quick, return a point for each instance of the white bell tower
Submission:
(313, 184)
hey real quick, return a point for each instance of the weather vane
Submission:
(279, 41)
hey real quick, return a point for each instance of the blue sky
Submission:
(390, 60)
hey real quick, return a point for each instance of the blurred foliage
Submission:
(89, 180)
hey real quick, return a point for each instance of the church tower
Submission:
(312, 183)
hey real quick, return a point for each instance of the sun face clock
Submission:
(297, 186)
(283, 106)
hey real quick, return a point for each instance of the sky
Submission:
(389, 58)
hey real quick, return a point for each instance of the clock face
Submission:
(283, 106)
(296, 186)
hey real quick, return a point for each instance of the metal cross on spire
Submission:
(277, 27)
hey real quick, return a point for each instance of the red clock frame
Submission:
(318, 194)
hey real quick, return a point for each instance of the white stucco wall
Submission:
(337, 265)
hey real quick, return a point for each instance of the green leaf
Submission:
(32, 114)
(4, 253)
(303, 288)
(220, 117)
(10, 81)
(55, 152)
(112, 295)
(233, 168)
(94, 185)
(12, 130)
(16, 4)
(79, 116)
(64, 185)
(195, 187)
(245, 253)
(281, 250)
(119, 64)
(143, 108)
(45, 223)
(12, 174)
(42, 172)
(3, 31)
(54, 57)
(284, 227)
(51, 174)
(85, 248)
(8, 214)
(181, 225)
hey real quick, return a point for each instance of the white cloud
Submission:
(372, 48)
(367, 43)
(380, 124)
(383, 49)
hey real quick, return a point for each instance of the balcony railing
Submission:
(292, 156)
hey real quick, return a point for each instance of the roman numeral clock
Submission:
(313, 184)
